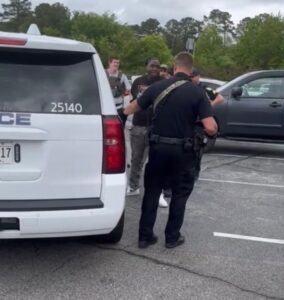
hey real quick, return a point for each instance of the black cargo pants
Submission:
(198, 131)
(167, 163)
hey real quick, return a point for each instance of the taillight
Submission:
(114, 145)
(12, 41)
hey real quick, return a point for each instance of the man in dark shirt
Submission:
(171, 152)
(139, 131)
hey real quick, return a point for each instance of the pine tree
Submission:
(16, 14)
(16, 9)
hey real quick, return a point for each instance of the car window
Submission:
(211, 85)
(263, 88)
(48, 82)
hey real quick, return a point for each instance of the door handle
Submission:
(275, 104)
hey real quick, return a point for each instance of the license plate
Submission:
(6, 153)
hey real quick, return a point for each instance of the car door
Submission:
(258, 112)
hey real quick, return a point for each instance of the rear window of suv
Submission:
(54, 82)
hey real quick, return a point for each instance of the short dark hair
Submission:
(195, 72)
(111, 58)
(149, 59)
(184, 59)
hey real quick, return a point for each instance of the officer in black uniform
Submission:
(171, 149)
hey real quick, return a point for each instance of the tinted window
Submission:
(48, 82)
(263, 88)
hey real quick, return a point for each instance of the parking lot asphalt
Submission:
(234, 243)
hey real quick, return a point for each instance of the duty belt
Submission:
(166, 140)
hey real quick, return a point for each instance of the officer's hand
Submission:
(210, 126)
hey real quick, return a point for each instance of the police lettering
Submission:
(15, 119)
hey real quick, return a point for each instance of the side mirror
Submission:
(237, 92)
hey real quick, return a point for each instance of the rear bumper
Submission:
(72, 222)
(50, 204)
(42, 224)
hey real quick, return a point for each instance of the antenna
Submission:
(33, 30)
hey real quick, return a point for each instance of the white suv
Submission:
(62, 148)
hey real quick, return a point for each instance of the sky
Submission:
(136, 11)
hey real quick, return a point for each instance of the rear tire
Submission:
(115, 235)
(210, 144)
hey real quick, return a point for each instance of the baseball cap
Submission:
(163, 66)
(195, 72)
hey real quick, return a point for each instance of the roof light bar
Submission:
(12, 41)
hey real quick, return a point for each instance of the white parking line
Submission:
(242, 182)
(248, 238)
(245, 156)
(227, 141)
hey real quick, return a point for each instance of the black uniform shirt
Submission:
(141, 118)
(176, 116)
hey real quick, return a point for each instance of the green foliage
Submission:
(177, 33)
(139, 50)
(261, 44)
(53, 19)
(189, 28)
(150, 26)
(211, 55)
(222, 51)
(93, 25)
(104, 32)
(135, 28)
(222, 21)
(172, 34)
(16, 15)
(209, 47)
(111, 38)
(242, 26)
(15, 9)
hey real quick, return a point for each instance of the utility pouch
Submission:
(188, 145)
(117, 86)
(116, 92)
(200, 139)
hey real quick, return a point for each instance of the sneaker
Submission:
(132, 192)
(163, 202)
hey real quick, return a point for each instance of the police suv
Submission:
(62, 149)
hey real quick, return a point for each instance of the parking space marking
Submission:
(242, 183)
(233, 155)
(248, 238)
(227, 141)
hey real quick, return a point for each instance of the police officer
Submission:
(171, 150)
(214, 97)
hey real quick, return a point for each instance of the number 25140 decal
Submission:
(65, 107)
